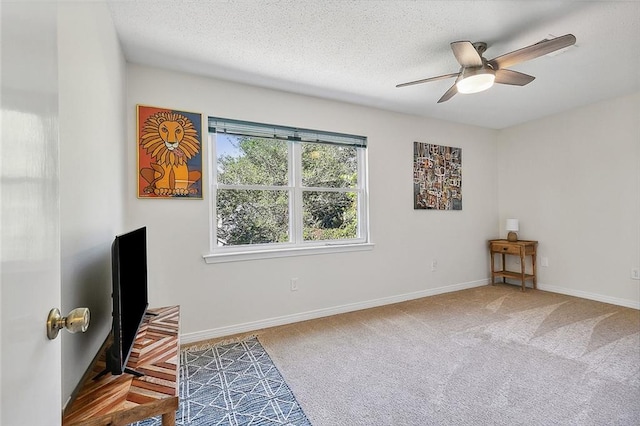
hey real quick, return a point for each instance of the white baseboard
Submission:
(634, 304)
(213, 333)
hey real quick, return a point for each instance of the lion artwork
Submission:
(171, 140)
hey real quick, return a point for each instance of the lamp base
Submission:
(512, 236)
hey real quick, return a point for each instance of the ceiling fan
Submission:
(477, 74)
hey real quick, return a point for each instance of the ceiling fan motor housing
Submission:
(480, 46)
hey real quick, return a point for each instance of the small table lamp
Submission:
(512, 227)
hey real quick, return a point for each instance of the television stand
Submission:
(125, 371)
(127, 398)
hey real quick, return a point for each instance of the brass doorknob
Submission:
(77, 320)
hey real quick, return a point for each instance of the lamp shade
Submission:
(512, 225)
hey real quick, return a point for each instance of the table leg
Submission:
(504, 268)
(522, 267)
(493, 268)
(169, 419)
(533, 270)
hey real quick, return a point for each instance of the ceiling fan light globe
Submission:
(474, 81)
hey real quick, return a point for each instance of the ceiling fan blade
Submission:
(448, 94)
(515, 78)
(425, 80)
(466, 54)
(541, 48)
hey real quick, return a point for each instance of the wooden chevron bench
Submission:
(120, 400)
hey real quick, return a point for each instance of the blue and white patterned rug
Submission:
(232, 385)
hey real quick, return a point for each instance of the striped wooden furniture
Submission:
(120, 400)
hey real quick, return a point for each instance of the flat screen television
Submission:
(129, 281)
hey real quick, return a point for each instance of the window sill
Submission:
(285, 252)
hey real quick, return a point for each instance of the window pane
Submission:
(251, 161)
(252, 217)
(329, 215)
(329, 166)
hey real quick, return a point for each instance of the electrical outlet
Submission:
(635, 273)
(544, 261)
(434, 265)
(294, 284)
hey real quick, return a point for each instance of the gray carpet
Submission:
(491, 355)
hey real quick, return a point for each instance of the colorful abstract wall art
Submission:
(169, 153)
(437, 177)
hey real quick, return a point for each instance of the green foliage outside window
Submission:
(258, 162)
(254, 216)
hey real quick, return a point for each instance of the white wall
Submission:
(220, 298)
(573, 181)
(92, 181)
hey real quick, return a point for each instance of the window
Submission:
(279, 191)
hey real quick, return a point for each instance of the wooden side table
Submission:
(120, 400)
(520, 248)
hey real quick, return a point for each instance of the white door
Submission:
(30, 364)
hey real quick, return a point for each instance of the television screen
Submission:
(129, 269)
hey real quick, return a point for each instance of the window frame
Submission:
(297, 246)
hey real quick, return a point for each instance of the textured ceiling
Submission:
(357, 50)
